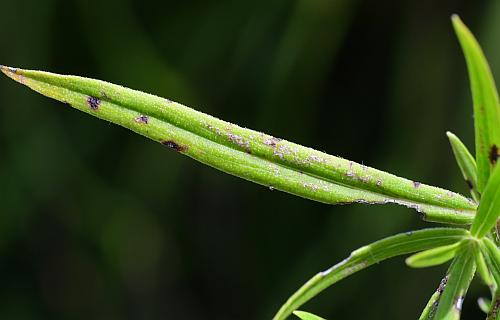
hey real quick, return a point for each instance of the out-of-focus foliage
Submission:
(98, 223)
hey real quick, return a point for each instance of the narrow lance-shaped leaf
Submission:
(482, 269)
(494, 309)
(489, 208)
(433, 257)
(431, 307)
(484, 304)
(485, 100)
(245, 153)
(466, 163)
(459, 277)
(491, 254)
(306, 315)
(364, 257)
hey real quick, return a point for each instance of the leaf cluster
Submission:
(476, 251)
(471, 246)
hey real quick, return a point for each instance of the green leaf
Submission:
(484, 304)
(364, 257)
(245, 153)
(459, 277)
(433, 257)
(482, 269)
(466, 163)
(486, 104)
(306, 315)
(494, 308)
(491, 254)
(430, 309)
(489, 208)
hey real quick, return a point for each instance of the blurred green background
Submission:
(99, 223)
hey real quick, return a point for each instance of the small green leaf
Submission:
(489, 208)
(306, 315)
(432, 305)
(482, 269)
(364, 257)
(245, 153)
(491, 254)
(459, 278)
(433, 257)
(484, 304)
(486, 104)
(466, 163)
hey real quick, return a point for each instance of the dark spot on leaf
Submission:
(174, 146)
(272, 141)
(494, 309)
(494, 154)
(142, 119)
(93, 102)
(442, 285)
(416, 184)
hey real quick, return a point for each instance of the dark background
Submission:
(100, 223)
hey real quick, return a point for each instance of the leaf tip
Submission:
(454, 140)
(414, 263)
(458, 24)
(409, 262)
(306, 315)
(456, 21)
(12, 73)
(7, 70)
(4, 69)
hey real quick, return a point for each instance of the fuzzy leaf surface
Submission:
(459, 277)
(431, 306)
(245, 153)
